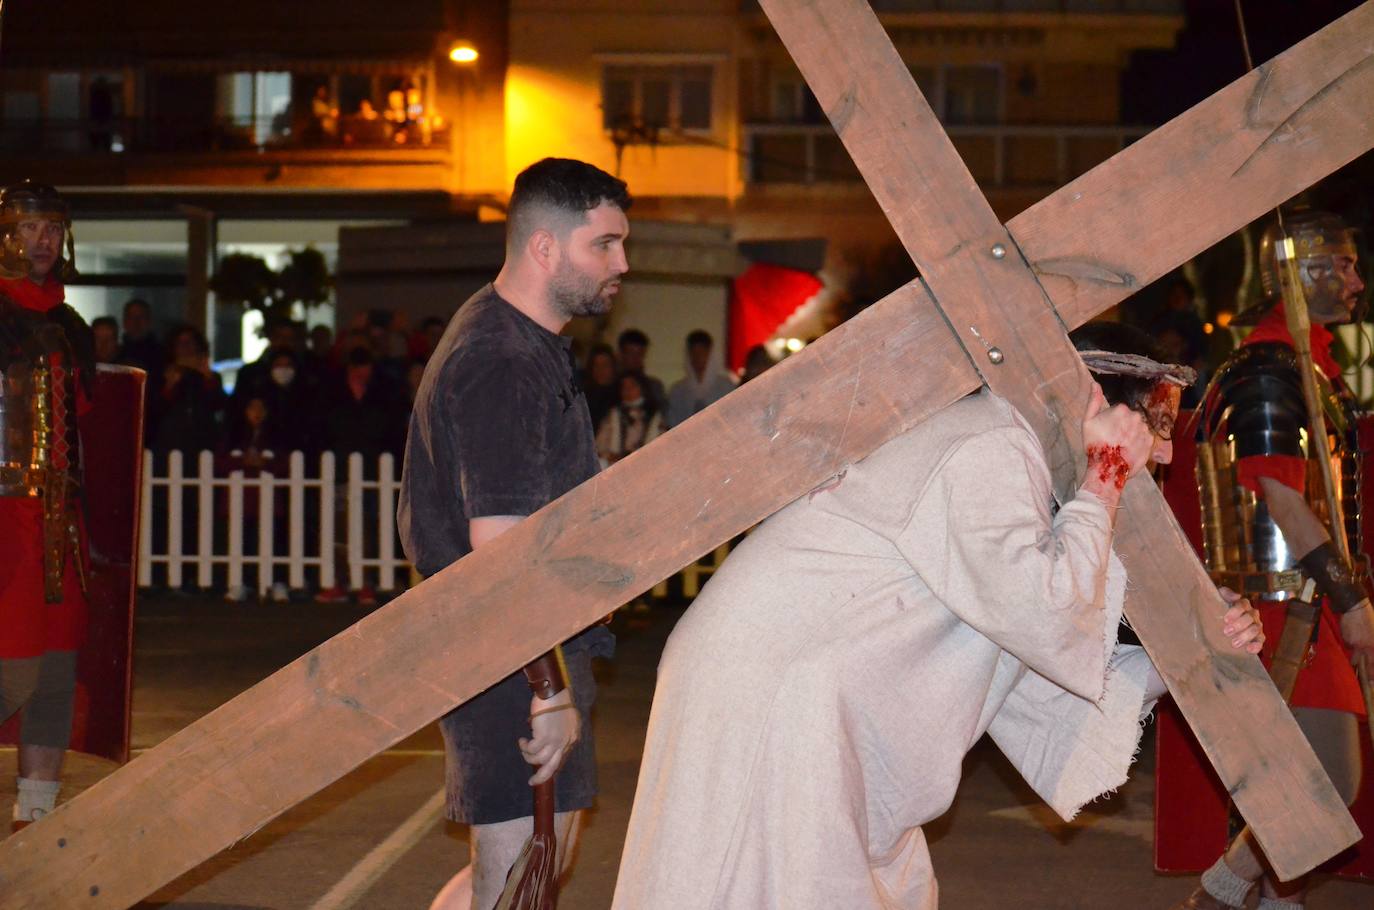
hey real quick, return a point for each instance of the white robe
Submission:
(815, 704)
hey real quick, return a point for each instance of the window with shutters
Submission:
(657, 97)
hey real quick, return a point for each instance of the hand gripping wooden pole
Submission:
(1086, 247)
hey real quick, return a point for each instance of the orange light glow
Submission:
(462, 52)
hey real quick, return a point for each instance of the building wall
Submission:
(167, 64)
(1055, 71)
(553, 88)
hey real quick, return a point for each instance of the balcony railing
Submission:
(1146, 7)
(190, 135)
(1001, 156)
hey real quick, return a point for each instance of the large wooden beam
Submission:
(444, 641)
(231, 772)
(997, 307)
(1193, 181)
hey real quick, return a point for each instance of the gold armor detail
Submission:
(27, 444)
(1245, 549)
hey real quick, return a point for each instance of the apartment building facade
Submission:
(185, 131)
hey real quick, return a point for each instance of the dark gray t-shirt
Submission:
(500, 427)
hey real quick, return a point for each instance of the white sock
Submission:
(1223, 884)
(1273, 903)
(36, 799)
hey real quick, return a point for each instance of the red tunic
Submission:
(1327, 680)
(28, 625)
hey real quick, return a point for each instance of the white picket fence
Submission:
(362, 554)
(369, 556)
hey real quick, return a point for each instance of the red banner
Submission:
(761, 300)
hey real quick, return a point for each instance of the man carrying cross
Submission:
(500, 429)
(815, 705)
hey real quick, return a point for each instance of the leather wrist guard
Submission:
(1333, 577)
(545, 674)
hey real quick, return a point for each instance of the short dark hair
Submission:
(699, 337)
(137, 302)
(562, 186)
(600, 350)
(1119, 338)
(275, 352)
(196, 335)
(108, 322)
(276, 324)
(632, 336)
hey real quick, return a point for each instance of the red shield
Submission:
(1191, 806)
(112, 456)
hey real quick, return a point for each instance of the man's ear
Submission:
(542, 247)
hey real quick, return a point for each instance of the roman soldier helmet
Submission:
(25, 201)
(1318, 237)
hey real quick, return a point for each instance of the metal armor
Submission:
(40, 449)
(1319, 239)
(27, 201)
(1254, 406)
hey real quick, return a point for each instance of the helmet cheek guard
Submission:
(1318, 238)
(28, 200)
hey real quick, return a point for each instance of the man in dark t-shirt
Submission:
(500, 429)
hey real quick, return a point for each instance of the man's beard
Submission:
(574, 293)
(1331, 307)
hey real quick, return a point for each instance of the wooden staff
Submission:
(1300, 327)
(532, 883)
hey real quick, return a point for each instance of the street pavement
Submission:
(376, 839)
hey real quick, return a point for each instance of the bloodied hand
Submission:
(1118, 442)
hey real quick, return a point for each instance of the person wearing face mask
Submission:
(290, 399)
(47, 364)
(814, 706)
(281, 335)
(283, 374)
(630, 425)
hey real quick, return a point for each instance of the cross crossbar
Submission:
(1007, 324)
(785, 433)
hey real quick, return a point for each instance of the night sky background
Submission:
(1160, 85)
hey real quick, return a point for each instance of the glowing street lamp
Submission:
(462, 52)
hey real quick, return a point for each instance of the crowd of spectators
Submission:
(629, 407)
(308, 392)
(312, 392)
(403, 119)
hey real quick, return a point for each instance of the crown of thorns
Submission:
(1136, 365)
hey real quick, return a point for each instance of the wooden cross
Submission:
(1014, 288)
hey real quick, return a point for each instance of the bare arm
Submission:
(482, 531)
(1301, 528)
(554, 721)
(1305, 533)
